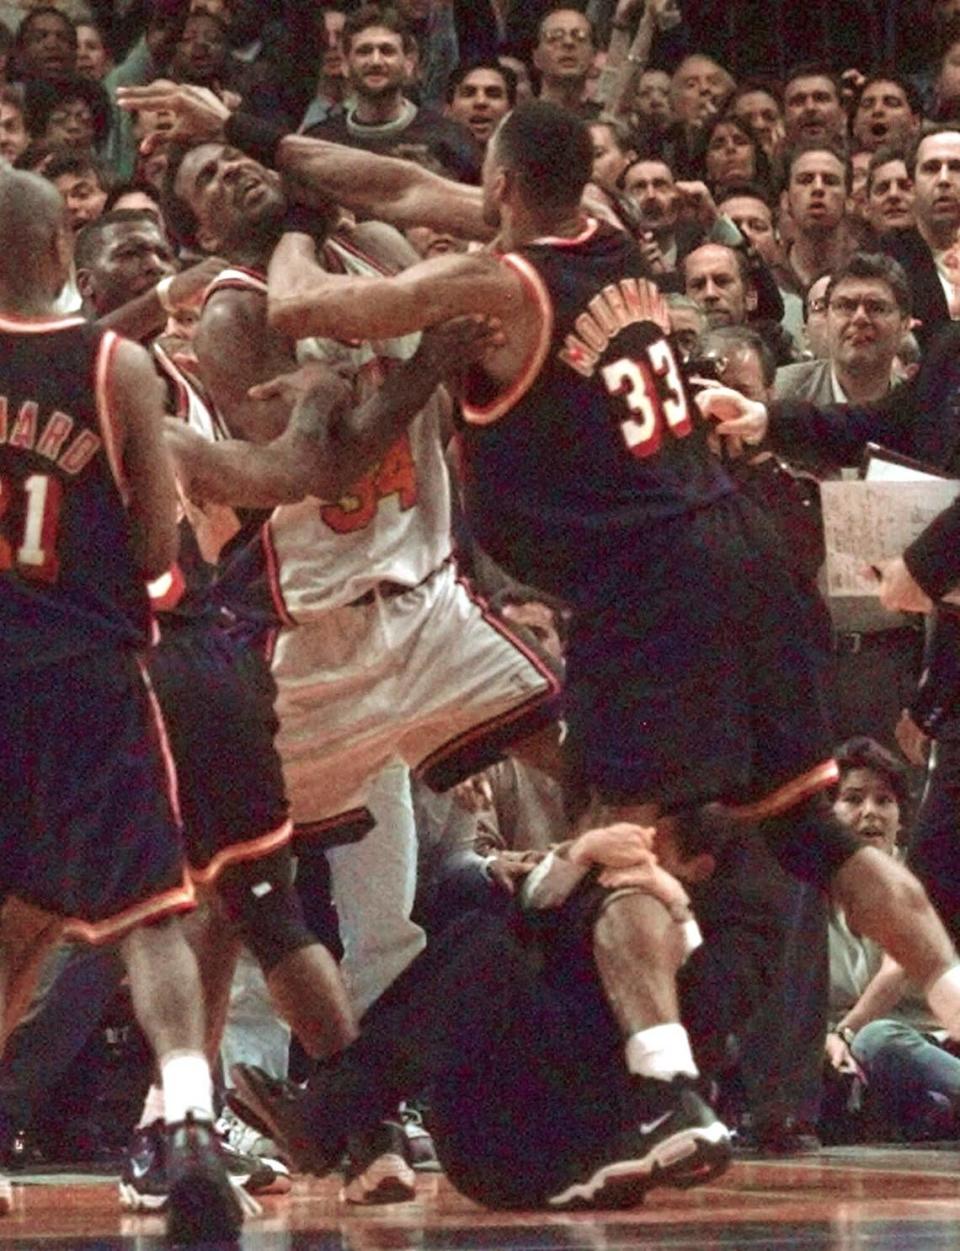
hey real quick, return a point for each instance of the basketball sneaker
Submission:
(684, 1145)
(377, 1170)
(143, 1181)
(203, 1204)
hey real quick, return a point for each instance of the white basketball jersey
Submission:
(394, 524)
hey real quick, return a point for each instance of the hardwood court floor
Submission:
(846, 1199)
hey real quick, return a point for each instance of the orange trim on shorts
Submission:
(181, 898)
(788, 795)
(170, 768)
(240, 853)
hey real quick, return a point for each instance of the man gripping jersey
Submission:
(693, 668)
(380, 654)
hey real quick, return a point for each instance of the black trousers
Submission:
(505, 1022)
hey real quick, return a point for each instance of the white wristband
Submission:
(162, 291)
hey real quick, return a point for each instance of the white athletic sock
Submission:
(661, 1051)
(153, 1107)
(944, 998)
(187, 1086)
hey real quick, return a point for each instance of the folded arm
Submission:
(305, 300)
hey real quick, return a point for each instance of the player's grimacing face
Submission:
(227, 191)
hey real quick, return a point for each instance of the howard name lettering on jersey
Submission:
(47, 436)
(70, 584)
(576, 474)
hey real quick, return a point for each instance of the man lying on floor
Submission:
(517, 1021)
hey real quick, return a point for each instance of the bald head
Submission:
(32, 241)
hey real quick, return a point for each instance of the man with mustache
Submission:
(379, 51)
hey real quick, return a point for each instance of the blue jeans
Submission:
(904, 1068)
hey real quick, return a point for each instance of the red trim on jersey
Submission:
(242, 852)
(531, 369)
(173, 790)
(559, 241)
(273, 575)
(181, 898)
(787, 796)
(456, 745)
(379, 266)
(112, 434)
(257, 281)
(38, 325)
(173, 377)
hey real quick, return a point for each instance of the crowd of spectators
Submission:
(805, 229)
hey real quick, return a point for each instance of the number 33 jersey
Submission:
(574, 474)
(68, 581)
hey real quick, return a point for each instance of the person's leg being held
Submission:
(638, 948)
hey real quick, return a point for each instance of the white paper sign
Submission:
(868, 522)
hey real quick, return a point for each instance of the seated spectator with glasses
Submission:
(868, 306)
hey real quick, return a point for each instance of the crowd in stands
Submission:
(804, 229)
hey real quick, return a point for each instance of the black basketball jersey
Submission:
(574, 474)
(68, 580)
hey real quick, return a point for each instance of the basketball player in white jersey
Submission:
(382, 658)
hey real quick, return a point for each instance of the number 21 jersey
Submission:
(68, 581)
(576, 475)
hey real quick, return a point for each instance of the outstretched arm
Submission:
(305, 300)
(392, 190)
(395, 191)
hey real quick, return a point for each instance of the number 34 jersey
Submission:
(392, 525)
(68, 581)
(576, 474)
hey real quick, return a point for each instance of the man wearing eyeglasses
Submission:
(563, 55)
(868, 308)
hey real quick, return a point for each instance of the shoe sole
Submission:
(131, 1200)
(688, 1158)
(245, 1101)
(201, 1211)
(389, 1182)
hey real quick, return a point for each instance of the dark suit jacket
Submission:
(929, 302)
(920, 419)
